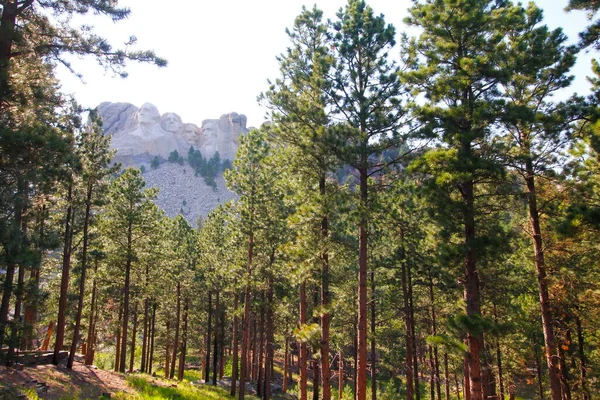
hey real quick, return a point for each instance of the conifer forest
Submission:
(418, 219)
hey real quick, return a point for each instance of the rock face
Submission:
(181, 192)
(141, 134)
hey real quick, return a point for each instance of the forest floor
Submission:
(89, 382)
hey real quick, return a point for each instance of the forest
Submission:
(421, 226)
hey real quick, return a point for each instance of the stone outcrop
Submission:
(140, 134)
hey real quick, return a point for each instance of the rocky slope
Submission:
(142, 135)
(183, 193)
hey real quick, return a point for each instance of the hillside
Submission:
(182, 192)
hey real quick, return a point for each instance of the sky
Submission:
(221, 53)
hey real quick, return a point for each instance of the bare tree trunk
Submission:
(222, 344)
(415, 366)
(118, 348)
(582, 360)
(145, 341)
(126, 291)
(540, 266)
(467, 380)
(133, 334)
(153, 329)
(86, 224)
(373, 344)
(302, 357)
(31, 307)
(286, 364)
(177, 320)
(326, 315)
(261, 347)
(246, 323)
(499, 356)
(270, 342)
(183, 352)
(315, 363)
(341, 374)
(208, 338)
(538, 367)
(436, 360)
(361, 367)
(254, 349)
(234, 345)
(91, 336)
(168, 353)
(64, 282)
(19, 294)
(447, 377)
(471, 286)
(216, 340)
(408, 328)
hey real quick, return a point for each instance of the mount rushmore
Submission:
(139, 135)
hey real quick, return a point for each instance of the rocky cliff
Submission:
(142, 135)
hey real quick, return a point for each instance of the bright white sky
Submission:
(221, 52)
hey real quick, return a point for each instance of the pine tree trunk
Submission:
(499, 357)
(540, 266)
(582, 360)
(216, 340)
(373, 343)
(222, 344)
(133, 334)
(176, 342)
(361, 368)
(153, 329)
(64, 282)
(471, 286)
(467, 379)
(408, 328)
(234, 345)
(303, 351)
(168, 353)
(19, 293)
(254, 349)
(86, 224)
(184, 337)
(315, 363)
(447, 377)
(415, 366)
(14, 339)
(270, 340)
(325, 314)
(146, 339)
(8, 23)
(31, 308)
(286, 364)
(118, 347)
(538, 367)
(91, 336)
(431, 373)
(261, 347)
(340, 375)
(436, 360)
(126, 290)
(564, 375)
(246, 322)
(208, 338)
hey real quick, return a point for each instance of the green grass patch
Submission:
(148, 388)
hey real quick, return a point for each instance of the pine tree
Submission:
(129, 215)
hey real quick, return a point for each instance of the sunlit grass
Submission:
(148, 388)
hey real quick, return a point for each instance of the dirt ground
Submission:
(55, 382)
